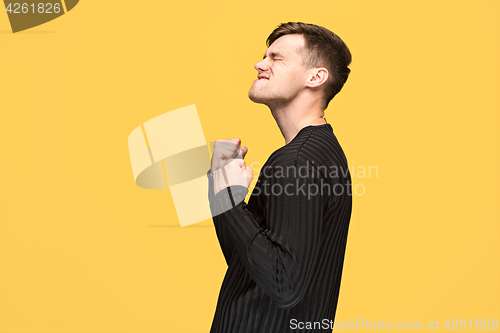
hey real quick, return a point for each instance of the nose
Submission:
(261, 66)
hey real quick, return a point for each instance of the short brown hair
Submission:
(323, 48)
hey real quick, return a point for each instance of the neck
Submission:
(292, 118)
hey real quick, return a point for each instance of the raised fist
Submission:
(225, 151)
(228, 166)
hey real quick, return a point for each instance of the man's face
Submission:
(281, 74)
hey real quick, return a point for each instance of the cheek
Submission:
(293, 79)
(294, 75)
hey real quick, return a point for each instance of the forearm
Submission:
(271, 264)
(280, 258)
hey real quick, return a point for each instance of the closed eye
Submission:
(274, 55)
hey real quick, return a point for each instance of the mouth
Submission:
(262, 77)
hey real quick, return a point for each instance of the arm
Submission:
(280, 258)
(227, 157)
(224, 241)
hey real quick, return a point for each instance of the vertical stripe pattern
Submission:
(285, 248)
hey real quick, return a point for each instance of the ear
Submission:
(317, 77)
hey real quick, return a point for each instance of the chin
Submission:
(256, 98)
(253, 96)
(257, 95)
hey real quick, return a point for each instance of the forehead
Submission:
(288, 45)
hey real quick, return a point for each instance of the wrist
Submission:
(227, 198)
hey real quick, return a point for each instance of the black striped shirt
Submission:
(285, 248)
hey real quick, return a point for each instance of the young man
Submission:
(285, 248)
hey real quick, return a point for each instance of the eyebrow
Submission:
(273, 55)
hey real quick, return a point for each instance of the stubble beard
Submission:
(271, 98)
(258, 94)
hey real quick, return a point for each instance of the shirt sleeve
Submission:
(224, 241)
(279, 259)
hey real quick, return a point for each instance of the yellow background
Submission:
(84, 249)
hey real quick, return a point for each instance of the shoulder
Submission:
(312, 163)
(312, 146)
